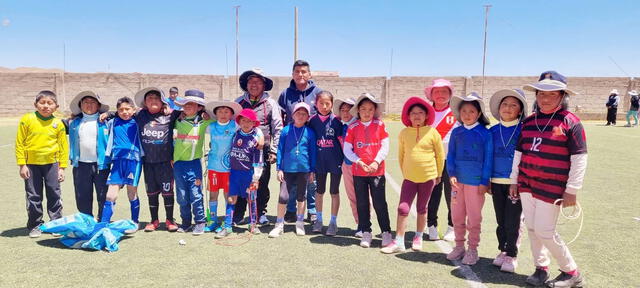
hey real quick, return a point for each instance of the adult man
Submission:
(255, 84)
(301, 89)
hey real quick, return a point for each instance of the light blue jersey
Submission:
(221, 137)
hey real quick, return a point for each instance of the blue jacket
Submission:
(291, 96)
(297, 154)
(74, 143)
(503, 156)
(470, 155)
(110, 142)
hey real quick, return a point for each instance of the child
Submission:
(296, 164)
(188, 149)
(246, 167)
(328, 130)
(367, 145)
(124, 149)
(222, 131)
(342, 108)
(469, 166)
(553, 145)
(87, 145)
(421, 158)
(509, 106)
(42, 153)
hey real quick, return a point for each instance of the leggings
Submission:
(408, 192)
(334, 187)
(297, 179)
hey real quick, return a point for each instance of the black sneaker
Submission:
(290, 217)
(311, 218)
(567, 280)
(538, 278)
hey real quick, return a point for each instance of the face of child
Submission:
(255, 86)
(509, 109)
(300, 117)
(345, 112)
(324, 105)
(301, 75)
(173, 95)
(469, 114)
(366, 111)
(153, 103)
(245, 124)
(46, 106)
(417, 116)
(440, 96)
(125, 111)
(224, 114)
(548, 100)
(89, 105)
(190, 109)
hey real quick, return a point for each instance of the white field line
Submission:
(472, 279)
(5, 145)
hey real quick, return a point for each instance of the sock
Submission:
(168, 206)
(334, 219)
(228, 217)
(319, 215)
(400, 241)
(154, 202)
(135, 209)
(419, 234)
(573, 273)
(300, 217)
(213, 210)
(107, 211)
(279, 220)
(545, 268)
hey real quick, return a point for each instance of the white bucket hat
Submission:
(211, 107)
(456, 101)
(339, 102)
(633, 93)
(74, 106)
(139, 98)
(369, 96)
(496, 99)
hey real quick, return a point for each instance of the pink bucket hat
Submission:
(249, 114)
(437, 83)
(431, 113)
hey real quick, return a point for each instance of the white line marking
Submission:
(472, 279)
(5, 145)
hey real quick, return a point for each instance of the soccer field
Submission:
(606, 250)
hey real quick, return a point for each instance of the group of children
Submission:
(528, 164)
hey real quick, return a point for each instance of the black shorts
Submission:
(158, 177)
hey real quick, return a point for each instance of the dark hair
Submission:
(522, 112)
(47, 93)
(419, 106)
(300, 63)
(126, 100)
(85, 97)
(151, 92)
(324, 93)
(564, 104)
(375, 105)
(173, 89)
(216, 109)
(477, 106)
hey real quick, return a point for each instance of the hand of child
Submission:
(206, 116)
(374, 166)
(103, 116)
(364, 167)
(25, 173)
(253, 186)
(489, 189)
(438, 180)
(60, 174)
(167, 110)
(568, 200)
(281, 176)
(181, 117)
(513, 191)
(483, 189)
(312, 176)
(454, 182)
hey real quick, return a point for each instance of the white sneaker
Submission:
(392, 248)
(358, 234)
(386, 239)
(450, 235)
(300, 228)
(509, 265)
(366, 240)
(277, 230)
(499, 259)
(432, 231)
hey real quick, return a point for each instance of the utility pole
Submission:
(295, 34)
(484, 49)
(237, 45)
(64, 70)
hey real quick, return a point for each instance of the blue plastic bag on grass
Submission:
(82, 231)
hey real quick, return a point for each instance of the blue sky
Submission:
(355, 38)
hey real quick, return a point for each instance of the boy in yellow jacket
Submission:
(42, 152)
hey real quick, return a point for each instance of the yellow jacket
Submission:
(41, 141)
(421, 154)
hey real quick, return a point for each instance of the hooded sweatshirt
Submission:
(291, 96)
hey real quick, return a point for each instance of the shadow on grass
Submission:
(55, 243)
(488, 273)
(424, 257)
(15, 232)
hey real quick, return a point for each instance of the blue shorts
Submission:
(124, 172)
(239, 182)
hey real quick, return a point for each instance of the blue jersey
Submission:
(329, 157)
(221, 137)
(125, 140)
(245, 155)
(297, 150)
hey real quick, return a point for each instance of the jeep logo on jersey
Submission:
(153, 133)
(450, 119)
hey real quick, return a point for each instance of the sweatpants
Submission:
(293, 182)
(158, 177)
(434, 201)
(189, 191)
(86, 178)
(508, 213)
(541, 218)
(42, 176)
(347, 177)
(373, 186)
(409, 191)
(634, 114)
(263, 192)
(466, 212)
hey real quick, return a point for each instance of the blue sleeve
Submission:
(451, 155)
(487, 166)
(280, 152)
(313, 150)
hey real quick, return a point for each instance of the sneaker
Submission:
(366, 240)
(224, 232)
(198, 229)
(392, 248)
(264, 221)
(509, 265)
(56, 235)
(317, 227)
(240, 222)
(499, 259)
(35, 232)
(432, 231)
(456, 254)
(538, 278)
(332, 230)
(300, 228)
(358, 234)
(277, 230)
(470, 257)
(312, 218)
(171, 225)
(416, 244)
(132, 230)
(386, 239)
(290, 217)
(567, 280)
(152, 226)
(212, 227)
(183, 229)
(450, 235)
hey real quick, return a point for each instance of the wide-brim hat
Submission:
(211, 108)
(249, 114)
(550, 81)
(437, 83)
(74, 106)
(496, 99)
(614, 91)
(369, 96)
(431, 113)
(244, 79)
(139, 98)
(471, 97)
(338, 102)
(633, 93)
(192, 95)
